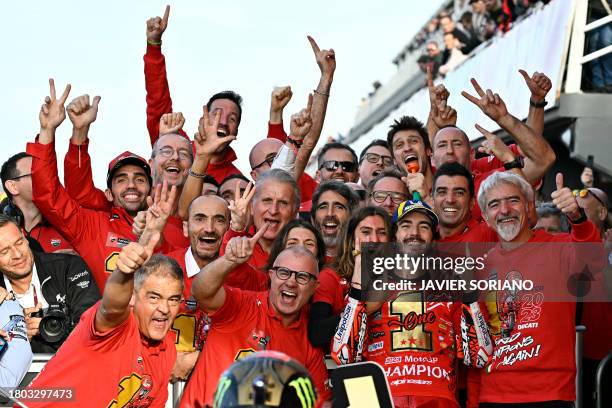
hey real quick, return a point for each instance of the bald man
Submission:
(262, 156)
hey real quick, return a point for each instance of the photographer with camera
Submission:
(53, 289)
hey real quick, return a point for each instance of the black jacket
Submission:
(63, 279)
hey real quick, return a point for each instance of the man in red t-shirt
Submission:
(244, 322)
(208, 220)
(124, 336)
(534, 358)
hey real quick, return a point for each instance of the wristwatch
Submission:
(517, 163)
(581, 219)
(538, 104)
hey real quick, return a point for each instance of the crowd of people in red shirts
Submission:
(181, 265)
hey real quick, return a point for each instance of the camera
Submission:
(55, 324)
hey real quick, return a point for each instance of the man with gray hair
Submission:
(125, 333)
(534, 335)
(271, 204)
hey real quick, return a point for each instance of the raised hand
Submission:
(156, 27)
(416, 182)
(326, 59)
(81, 113)
(281, 95)
(208, 141)
(240, 208)
(140, 222)
(564, 200)
(494, 145)
(437, 93)
(240, 249)
(586, 177)
(301, 122)
(52, 113)
(134, 255)
(161, 206)
(171, 123)
(491, 104)
(443, 114)
(539, 85)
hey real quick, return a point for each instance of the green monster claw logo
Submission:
(305, 391)
(221, 390)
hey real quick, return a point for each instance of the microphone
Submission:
(413, 167)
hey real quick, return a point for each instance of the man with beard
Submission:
(97, 236)
(244, 322)
(207, 223)
(543, 329)
(332, 205)
(374, 158)
(226, 103)
(387, 190)
(337, 161)
(272, 203)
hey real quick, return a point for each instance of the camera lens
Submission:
(52, 328)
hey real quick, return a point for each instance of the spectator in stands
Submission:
(332, 205)
(455, 55)
(231, 184)
(586, 177)
(16, 175)
(374, 158)
(208, 221)
(125, 333)
(549, 375)
(465, 42)
(245, 321)
(465, 25)
(432, 58)
(483, 26)
(387, 190)
(16, 353)
(501, 16)
(433, 32)
(227, 103)
(550, 219)
(595, 204)
(337, 161)
(41, 281)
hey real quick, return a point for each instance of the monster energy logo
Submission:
(305, 391)
(224, 385)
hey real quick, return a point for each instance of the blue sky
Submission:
(246, 46)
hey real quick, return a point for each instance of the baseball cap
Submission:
(124, 158)
(408, 206)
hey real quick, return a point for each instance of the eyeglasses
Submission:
(303, 278)
(333, 165)
(381, 196)
(167, 152)
(22, 176)
(269, 159)
(375, 158)
(584, 192)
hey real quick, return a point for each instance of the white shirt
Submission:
(26, 300)
(191, 265)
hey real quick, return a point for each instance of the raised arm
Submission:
(207, 286)
(78, 178)
(539, 156)
(156, 78)
(281, 95)
(206, 142)
(539, 85)
(440, 114)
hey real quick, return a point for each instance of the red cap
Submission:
(124, 158)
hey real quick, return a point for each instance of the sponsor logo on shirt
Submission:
(56, 242)
(376, 346)
(78, 275)
(83, 284)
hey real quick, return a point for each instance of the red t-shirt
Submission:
(535, 361)
(414, 341)
(474, 232)
(488, 163)
(114, 368)
(173, 233)
(244, 324)
(48, 237)
(332, 289)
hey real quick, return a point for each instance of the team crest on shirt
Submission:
(56, 242)
(259, 339)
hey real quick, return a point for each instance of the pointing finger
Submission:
(52, 88)
(309, 104)
(259, 233)
(430, 84)
(313, 44)
(470, 98)
(166, 15)
(65, 94)
(484, 131)
(477, 87)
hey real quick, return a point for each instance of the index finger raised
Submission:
(477, 87)
(166, 15)
(313, 44)
(259, 233)
(484, 131)
(430, 83)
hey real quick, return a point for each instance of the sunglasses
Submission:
(269, 159)
(333, 165)
(584, 192)
(381, 196)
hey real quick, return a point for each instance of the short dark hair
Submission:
(334, 145)
(548, 209)
(280, 242)
(392, 173)
(153, 266)
(232, 96)
(375, 142)
(210, 180)
(334, 185)
(9, 170)
(5, 219)
(233, 176)
(407, 123)
(451, 170)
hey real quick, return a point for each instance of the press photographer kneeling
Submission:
(53, 289)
